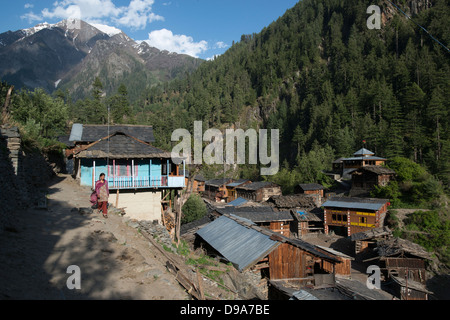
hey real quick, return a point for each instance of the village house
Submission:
(231, 188)
(361, 158)
(366, 178)
(137, 172)
(250, 247)
(198, 182)
(349, 215)
(258, 191)
(366, 241)
(215, 189)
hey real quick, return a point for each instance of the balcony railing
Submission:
(127, 182)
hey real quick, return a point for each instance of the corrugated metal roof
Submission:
(77, 132)
(363, 158)
(302, 295)
(237, 202)
(363, 151)
(354, 205)
(240, 245)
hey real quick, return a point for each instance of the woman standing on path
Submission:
(102, 190)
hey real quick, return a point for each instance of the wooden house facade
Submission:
(215, 189)
(349, 215)
(231, 188)
(309, 188)
(132, 165)
(258, 191)
(402, 258)
(366, 178)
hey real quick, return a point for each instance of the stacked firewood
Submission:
(169, 221)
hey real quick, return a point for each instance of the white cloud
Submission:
(221, 45)
(165, 40)
(136, 15)
(28, 5)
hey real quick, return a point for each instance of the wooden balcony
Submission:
(129, 182)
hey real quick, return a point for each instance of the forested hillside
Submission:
(327, 82)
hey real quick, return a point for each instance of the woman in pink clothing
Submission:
(102, 190)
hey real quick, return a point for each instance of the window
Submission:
(362, 219)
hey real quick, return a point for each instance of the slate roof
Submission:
(310, 186)
(257, 214)
(217, 182)
(257, 185)
(374, 169)
(293, 201)
(121, 146)
(355, 203)
(236, 183)
(91, 133)
(371, 234)
(397, 246)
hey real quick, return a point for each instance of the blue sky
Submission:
(201, 28)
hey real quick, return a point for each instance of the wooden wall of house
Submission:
(413, 268)
(287, 262)
(282, 227)
(356, 223)
(343, 269)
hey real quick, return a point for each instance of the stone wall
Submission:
(24, 176)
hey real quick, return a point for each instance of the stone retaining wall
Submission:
(24, 176)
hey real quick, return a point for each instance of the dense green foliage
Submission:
(41, 117)
(413, 185)
(193, 209)
(430, 229)
(322, 78)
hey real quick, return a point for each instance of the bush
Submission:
(193, 209)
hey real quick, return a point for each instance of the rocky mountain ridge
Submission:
(71, 53)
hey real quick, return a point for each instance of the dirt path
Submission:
(115, 261)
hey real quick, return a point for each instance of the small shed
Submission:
(342, 269)
(368, 239)
(309, 188)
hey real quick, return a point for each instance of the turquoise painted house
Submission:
(125, 154)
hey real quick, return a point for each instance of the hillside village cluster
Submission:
(252, 225)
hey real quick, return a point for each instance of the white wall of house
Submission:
(139, 205)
